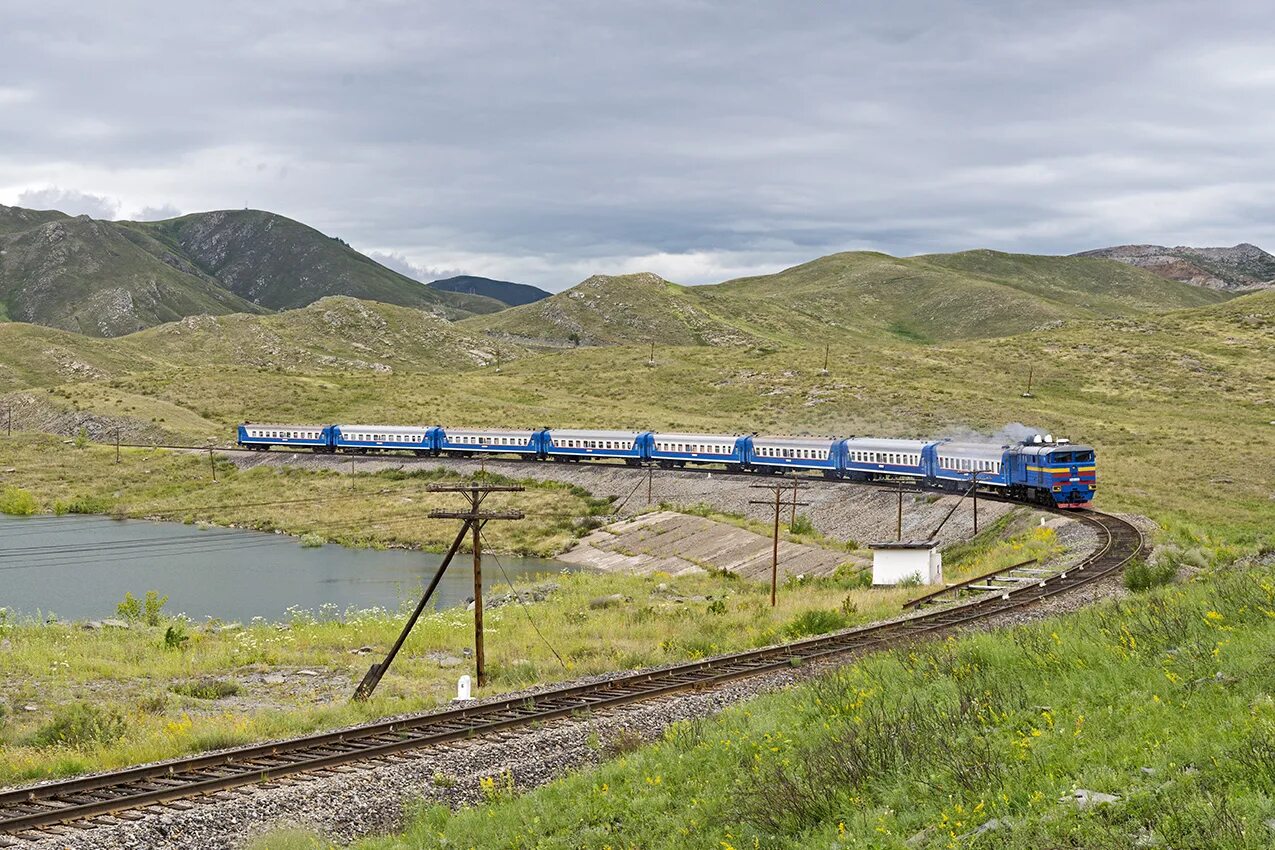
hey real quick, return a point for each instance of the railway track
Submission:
(58, 807)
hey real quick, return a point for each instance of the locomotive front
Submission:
(1059, 473)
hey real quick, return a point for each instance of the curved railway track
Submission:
(82, 803)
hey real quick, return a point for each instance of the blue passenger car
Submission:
(470, 441)
(775, 454)
(260, 437)
(361, 439)
(867, 459)
(672, 450)
(957, 465)
(631, 446)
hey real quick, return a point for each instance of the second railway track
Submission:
(37, 811)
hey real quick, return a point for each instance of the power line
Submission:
(525, 609)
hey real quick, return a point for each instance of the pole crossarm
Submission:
(474, 488)
(477, 516)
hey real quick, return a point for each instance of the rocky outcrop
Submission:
(1241, 268)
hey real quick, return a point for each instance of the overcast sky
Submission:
(545, 141)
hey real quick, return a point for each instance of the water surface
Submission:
(80, 567)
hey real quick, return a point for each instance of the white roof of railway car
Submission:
(696, 438)
(274, 427)
(499, 432)
(793, 442)
(387, 429)
(593, 435)
(862, 443)
(979, 451)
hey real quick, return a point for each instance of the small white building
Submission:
(900, 561)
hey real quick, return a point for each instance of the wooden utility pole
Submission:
(974, 487)
(472, 521)
(212, 465)
(650, 477)
(778, 504)
(117, 445)
(476, 518)
(824, 371)
(1030, 371)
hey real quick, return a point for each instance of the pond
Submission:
(80, 567)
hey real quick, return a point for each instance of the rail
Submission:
(38, 811)
(962, 585)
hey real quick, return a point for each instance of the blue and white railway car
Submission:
(470, 441)
(361, 439)
(631, 446)
(867, 459)
(955, 465)
(775, 454)
(671, 450)
(260, 437)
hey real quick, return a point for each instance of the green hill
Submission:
(334, 334)
(97, 278)
(857, 295)
(280, 263)
(110, 278)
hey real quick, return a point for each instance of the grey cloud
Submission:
(158, 213)
(403, 265)
(70, 201)
(536, 141)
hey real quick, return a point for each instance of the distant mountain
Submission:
(109, 278)
(98, 278)
(1242, 268)
(509, 294)
(859, 296)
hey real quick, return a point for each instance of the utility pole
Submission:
(974, 487)
(212, 465)
(351, 474)
(650, 476)
(651, 361)
(10, 425)
(117, 445)
(472, 522)
(1030, 371)
(824, 371)
(778, 505)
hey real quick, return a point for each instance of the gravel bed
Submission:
(358, 801)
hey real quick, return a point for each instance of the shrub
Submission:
(81, 724)
(207, 689)
(1144, 575)
(175, 637)
(18, 502)
(817, 621)
(82, 438)
(802, 524)
(130, 610)
(311, 540)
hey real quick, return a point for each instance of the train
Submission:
(1039, 469)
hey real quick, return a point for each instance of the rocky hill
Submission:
(110, 278)
(1241, 268)
(852, 296)
(509, 294)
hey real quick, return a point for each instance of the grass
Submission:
(1162, 701)
(239, 684)
(380, 509)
